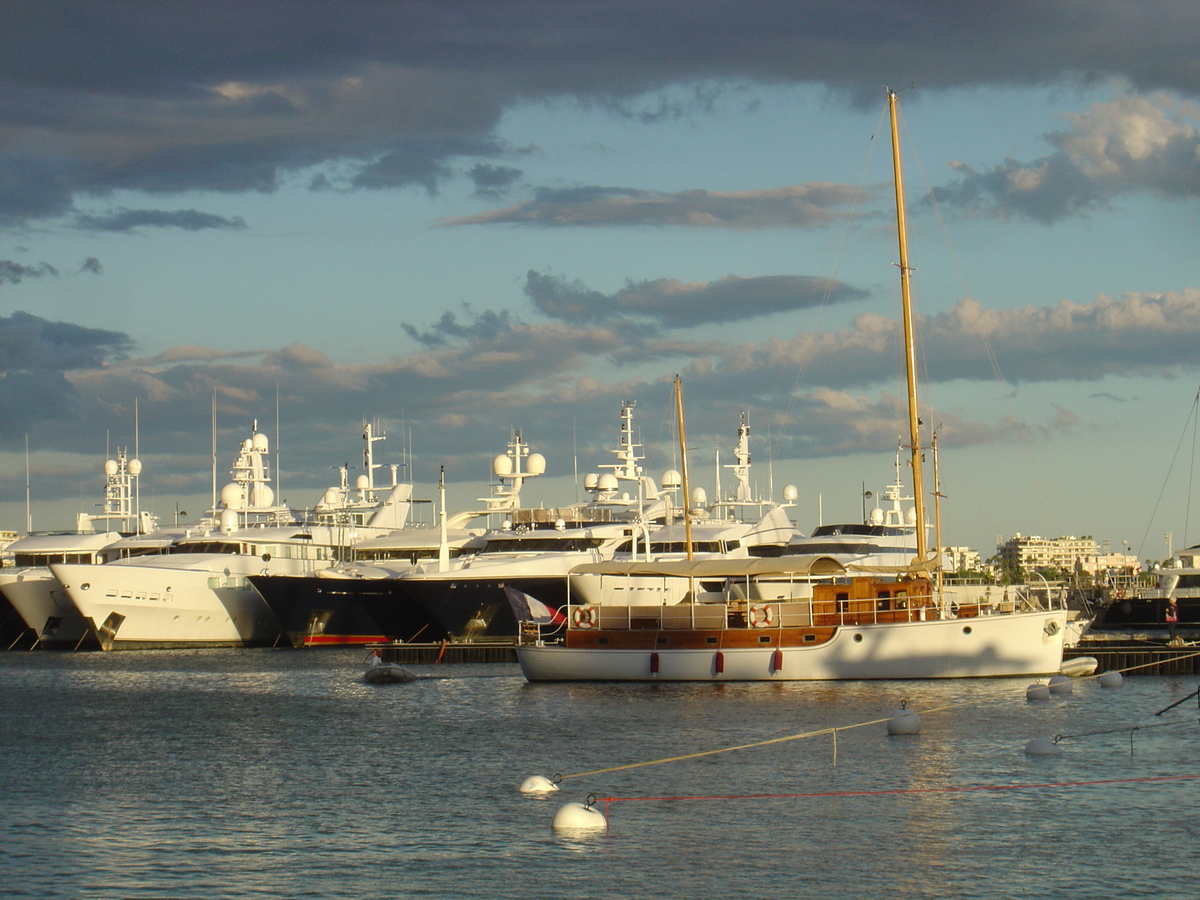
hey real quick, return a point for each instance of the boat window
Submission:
(208, 547)
(541, 545)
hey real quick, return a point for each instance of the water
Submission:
(207, 774)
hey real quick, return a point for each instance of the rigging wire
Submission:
(1192, 419)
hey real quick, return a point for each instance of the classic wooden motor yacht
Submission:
(786, 618)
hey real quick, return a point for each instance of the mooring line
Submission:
(779, 740)
(974, 788)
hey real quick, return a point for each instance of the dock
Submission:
(1142, 655)
(485, 651)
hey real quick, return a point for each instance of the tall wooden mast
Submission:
(910, 355)
(687, 497)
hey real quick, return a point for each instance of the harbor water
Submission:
(278, 773)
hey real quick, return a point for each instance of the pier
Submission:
(1150, 656)
(486, 651)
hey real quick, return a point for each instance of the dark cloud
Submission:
(236, 96)
(127, 220)
(14, 272)
(35, 357)
(485, 325)
(800, 206)
(91, 264)
(493, 182)
(676, 304)
(1126, 145)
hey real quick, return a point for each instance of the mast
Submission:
(687, 500)
(910, 355)
(937, 512)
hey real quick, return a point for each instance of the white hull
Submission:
(44, 606)
(1028, 644)
(147, 606)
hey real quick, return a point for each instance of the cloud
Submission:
(676, 304)
(480, 326)
(128, 220)
(492, 182)
(91, 264)
(35, 357)
(169, 98)
(1132, 144)
(14, 272)
(797, 206)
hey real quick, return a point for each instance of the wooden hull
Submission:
(1020, 644)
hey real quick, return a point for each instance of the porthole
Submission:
(966, 629)
(858, 639)
(85, 586)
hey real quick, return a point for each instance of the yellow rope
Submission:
(818, 732)
(778, 740)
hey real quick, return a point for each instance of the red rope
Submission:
(932, 790)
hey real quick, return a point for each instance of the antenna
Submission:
(28, 513)
(137, 482)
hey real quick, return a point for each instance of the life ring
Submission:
(761, 616)
(584, 617)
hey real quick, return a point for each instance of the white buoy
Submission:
(577, 817)
(537, 784)
(1111, 678)
(1037, 692)
(904, 721)
(1043, 746)
(1061, 684)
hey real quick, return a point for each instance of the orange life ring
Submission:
(761, 616)
(584, 617)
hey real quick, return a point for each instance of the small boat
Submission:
(380, 672)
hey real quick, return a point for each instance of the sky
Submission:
(465, 219)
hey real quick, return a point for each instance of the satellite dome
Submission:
(790, 493)
(246, 445)
(607, 482)
(263, 496)
(260, 442)
(877, 516)
(333, 497)
(671, 479)
(590, 481)
(699, 497)
(135, 467)
(229, 521)
(502, 465)
(362, 482)
(232, 496)
(111, 467)
(536, 464)
(911, 516)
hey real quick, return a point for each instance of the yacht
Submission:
(362, 601)
(533, 551)
(33, 590)
(199, 595)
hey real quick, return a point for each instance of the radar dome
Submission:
(671, 479)
(333, 497)
(229, 521)
(911, 516)
(502, 465)
(246, 445)
(790, 493)
(111, 467)
(590, 481)
(232, 496)
(536, 464)
(608, 482)
(362, 482)
(135, 467)
(877, 516)
(263, 496)
(259, 443)
(699, 497)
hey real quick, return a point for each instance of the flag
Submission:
(529, 609)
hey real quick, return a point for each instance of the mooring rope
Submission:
(963, 789)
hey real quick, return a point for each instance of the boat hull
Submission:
(1026, 644)
(474, 607)
(317, 611)
(146, 607)
(45, 608)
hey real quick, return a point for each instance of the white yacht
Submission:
(534, 552)
(31, 588)
(199, 594)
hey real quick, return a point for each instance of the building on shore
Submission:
(1029, 553)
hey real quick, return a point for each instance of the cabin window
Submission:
(882, 603)
(843, 596)
(602, 640)
(661, 640)
(710, 640)
(764, 639)
(810, 639)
